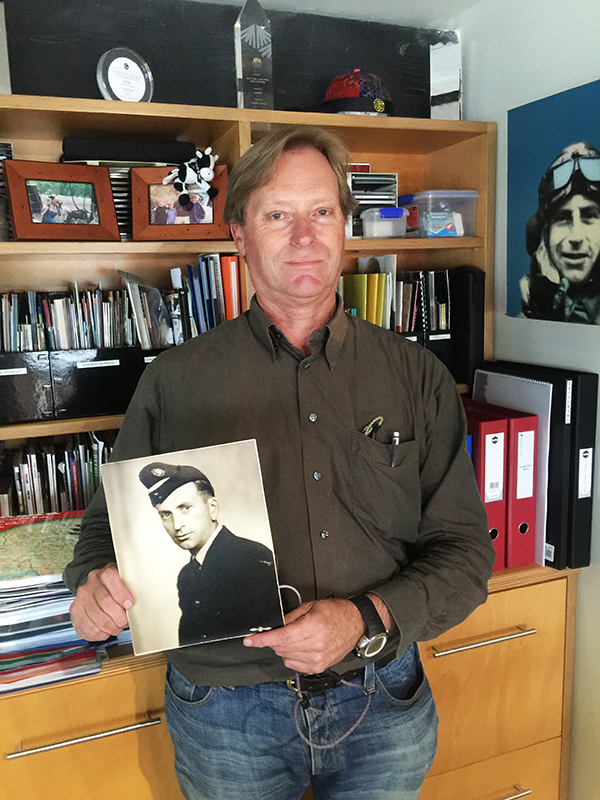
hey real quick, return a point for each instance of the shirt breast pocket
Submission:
(386, 499)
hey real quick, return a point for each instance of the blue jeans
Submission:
(242, 743)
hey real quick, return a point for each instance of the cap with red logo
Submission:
(358, 92)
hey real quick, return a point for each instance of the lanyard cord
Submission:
(302, 701)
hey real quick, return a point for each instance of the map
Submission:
(32, 546)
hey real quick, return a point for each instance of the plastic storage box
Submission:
(441, 213)
(384, 223)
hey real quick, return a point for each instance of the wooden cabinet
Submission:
(97, 737)
(502, 685)
(528, 773)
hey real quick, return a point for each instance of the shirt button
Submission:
(317, 475)
(324, 534)
(312, 417)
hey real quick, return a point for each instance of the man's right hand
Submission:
(98, 610)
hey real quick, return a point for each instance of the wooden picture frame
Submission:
(143, 215)
(76, 196)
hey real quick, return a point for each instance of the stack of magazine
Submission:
(69, 320)
(38, 644)
(52, 474)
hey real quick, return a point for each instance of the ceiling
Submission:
(417, 13)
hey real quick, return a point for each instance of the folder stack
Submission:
(520, 491)
(567, 432)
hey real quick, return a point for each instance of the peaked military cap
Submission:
(161, 479)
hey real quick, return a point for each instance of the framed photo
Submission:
(60, 201)
(158, 215)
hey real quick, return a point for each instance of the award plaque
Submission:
(253, 57)
(124, 75)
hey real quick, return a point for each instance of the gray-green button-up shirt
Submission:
(344, 520)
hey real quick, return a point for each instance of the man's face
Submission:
(293, 238)
(189, 517)
(574, 238)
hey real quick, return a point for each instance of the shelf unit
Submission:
(426, 154)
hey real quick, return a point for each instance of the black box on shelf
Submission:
(440, 343)
(25, 388)
(89, 383)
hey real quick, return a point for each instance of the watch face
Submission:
(373, 646)
(124, 75)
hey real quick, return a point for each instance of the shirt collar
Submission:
(201, 554)
(332, 333)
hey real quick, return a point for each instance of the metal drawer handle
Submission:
(520, 793)
(17, 753)
(523, 631)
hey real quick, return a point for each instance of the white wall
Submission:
(517, 51)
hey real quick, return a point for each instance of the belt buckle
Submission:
(314, 683)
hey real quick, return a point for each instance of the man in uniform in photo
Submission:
(229, 586)
(563, 240)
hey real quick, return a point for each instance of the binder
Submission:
(440, 343)
(520, 480)
(467, 301)
(488, 442)
(533, 397)
(576, 398)
(98, 382)
(25, 387)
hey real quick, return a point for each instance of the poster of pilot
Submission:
(193, 544)
(553, 225)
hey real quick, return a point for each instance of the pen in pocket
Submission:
(395, 443)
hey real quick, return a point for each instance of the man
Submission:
(196, 210)
(159, 213)
(563, 240)
(374, 510)
(229, 587)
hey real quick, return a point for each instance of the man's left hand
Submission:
(316, 635)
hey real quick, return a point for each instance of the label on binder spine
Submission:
(93, 364)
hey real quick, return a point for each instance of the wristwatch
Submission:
(376, 635)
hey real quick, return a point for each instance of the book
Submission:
(152, 319)
(231, 288)
(386, 308)
(235, 590)
(355, 294)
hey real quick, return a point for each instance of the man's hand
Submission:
(316, 635)
(98, 610)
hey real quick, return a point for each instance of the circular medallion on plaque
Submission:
(124, 75)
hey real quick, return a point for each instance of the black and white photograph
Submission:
(553, 235)
(62, 202)
(193, 543)
(166, 209)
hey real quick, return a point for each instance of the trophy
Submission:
(253, 57)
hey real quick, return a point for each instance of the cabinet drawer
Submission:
(504, 690)
(136, 764)
(528, 774)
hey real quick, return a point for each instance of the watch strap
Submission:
(370, 615)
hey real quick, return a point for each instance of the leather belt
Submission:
(322, 681)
